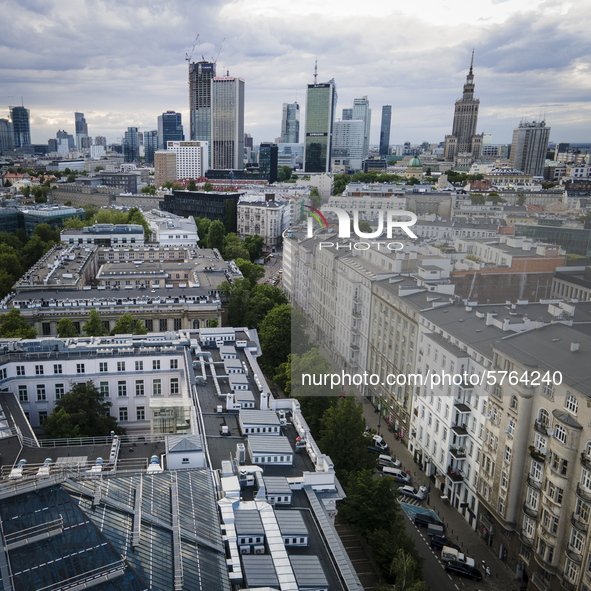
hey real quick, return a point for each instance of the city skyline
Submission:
(531, 58)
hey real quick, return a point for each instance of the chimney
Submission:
(574, 347)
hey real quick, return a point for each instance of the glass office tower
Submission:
(201, 75)
(385, 130)
(227, 123)
(21, 129)
(320, 107)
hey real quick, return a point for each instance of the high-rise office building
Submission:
(164, 167)
(348, 143)
(201, 75)
(290, 123)
(362, 111)
(170, 128)
(268, 161)
(100, 140)
(320, 109)
(227, 123)
(5, 135)
(21, 128)
(463, 138)
(191, 159)
(81, 128)
(385, 130)
(62, 134)
(529, 147)
(347, 114)
(150, 145)
(131, 145)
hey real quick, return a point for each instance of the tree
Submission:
(340, 183)
(66, 329)
(207, 187)
(238, 296)
(254, 245)
(341, 437)
(202, 229)
(521, 200)
(94, 327)
(315, 198)
(283, 331)
(26, 191)
(263, 298)
(98, 168)
(234, 248)
(46, 233)
(127, 325)
(413, 181)
(71, 178)
(283, 173)
(73, 224)
(14, 326)
(215, 235)
(212, 323)
(404, 570)
(148, 190)
(81, 412)
(251, 272)
(192, 186)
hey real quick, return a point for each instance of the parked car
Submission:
(396, 474)
(438, 542)
(374, 449)
(409, 491)
(449, 554)
(463, 570)
(379, 442)
(385, 461)
(426, 519)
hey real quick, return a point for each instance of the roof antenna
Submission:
(315, 71)
(472, 62)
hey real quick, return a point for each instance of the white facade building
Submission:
(172, 230)
(191, 159)
(348, 141)
(268, 219)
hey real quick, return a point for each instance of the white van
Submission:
(385, 461)
(396, 474)
(448, 554)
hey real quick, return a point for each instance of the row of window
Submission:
(140, 414)
(103, 367)
(59, 389)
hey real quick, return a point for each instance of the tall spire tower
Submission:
(463, 143)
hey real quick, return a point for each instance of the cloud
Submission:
(123, 63)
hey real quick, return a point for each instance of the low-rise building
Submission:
(172, 230)
(105, 235)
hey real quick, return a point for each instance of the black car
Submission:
(374, 449)
(437, 543)
(426, 519)
(463, 570)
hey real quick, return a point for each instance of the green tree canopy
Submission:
(127, 325)
(81, 412)
(192, 186)
(149, 190)
(283, 173)
(255, 245)
(202, 230)
(341, 436)
(215, 235)
(46, 233)
(263, 298)
(250, 271)
(26, 191)
(94, 327)
(207, 187)
(14, 326)
(234, 248)
(73, 224)
(66, 329)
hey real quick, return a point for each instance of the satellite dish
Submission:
(550, 432)
(548, 454)
(488, 417)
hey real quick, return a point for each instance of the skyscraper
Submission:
(150, 145)
(320, 109)
(347, 114)
(21, 129)
(64, 135)
(529, 147)
(268, 161)
(131, 145)
(81, 128)
(385, 130)
(463, 138)
(227, 123)
(290, 123)
(201, 75)
(348, 141)
(170, 128)
(191, 159)
(362, 111)
(5, 135)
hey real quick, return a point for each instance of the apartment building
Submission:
(267, 218)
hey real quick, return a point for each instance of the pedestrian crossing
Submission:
(410, 501)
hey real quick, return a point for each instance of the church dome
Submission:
(414, 162)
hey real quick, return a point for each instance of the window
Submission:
(163, 325)
(107, 325)
(103, 366)
(121, 389)
(140, 413)
(544, 418)
(38, 370)
(583, 510)
(139, 388)
(174, 386)
(560, 433)
(104, 389)
(156, 364)
(59, 391)
(20, 370)
(123, 414)
(514, 403)
(577, 540)
(157, 388)
(549, 521)
(120, 365)
(57, 368)
(41, 396)
(571, 404)
(533, 498)
(571, 571)
(511, 428)
(149, 324)
(586, 478)
(177, 324)
(501, 507)
(536, 470)
(507, 454)
(46, 327)
(23, 395)
(139, 366)
(42, 416)
(80, 368)
(548, 391)
(540, 443)
(174, 364)
(555, 493)
(529, 526)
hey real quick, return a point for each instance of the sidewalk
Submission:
(458, 529)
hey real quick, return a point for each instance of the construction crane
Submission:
(215, 59)
(188, 56)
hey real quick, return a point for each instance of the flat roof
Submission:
(291, 522)
(248, 522)
(261, 444)
(308, 572)
(259, 571)
(259, 417)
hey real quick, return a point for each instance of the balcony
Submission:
(356, 314)
(541, 428)
(574, 554)
(546, 565)
(583, 493)
(585, 461)
(356, 299)
(460, 429)
(462, 408)
(567, 585)
(455, 475)
(458, 452)
(533, 483)
(578, 523)
(527, 539)
(537, 455)
(529, 511)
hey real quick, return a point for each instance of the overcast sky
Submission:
(123, 63)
